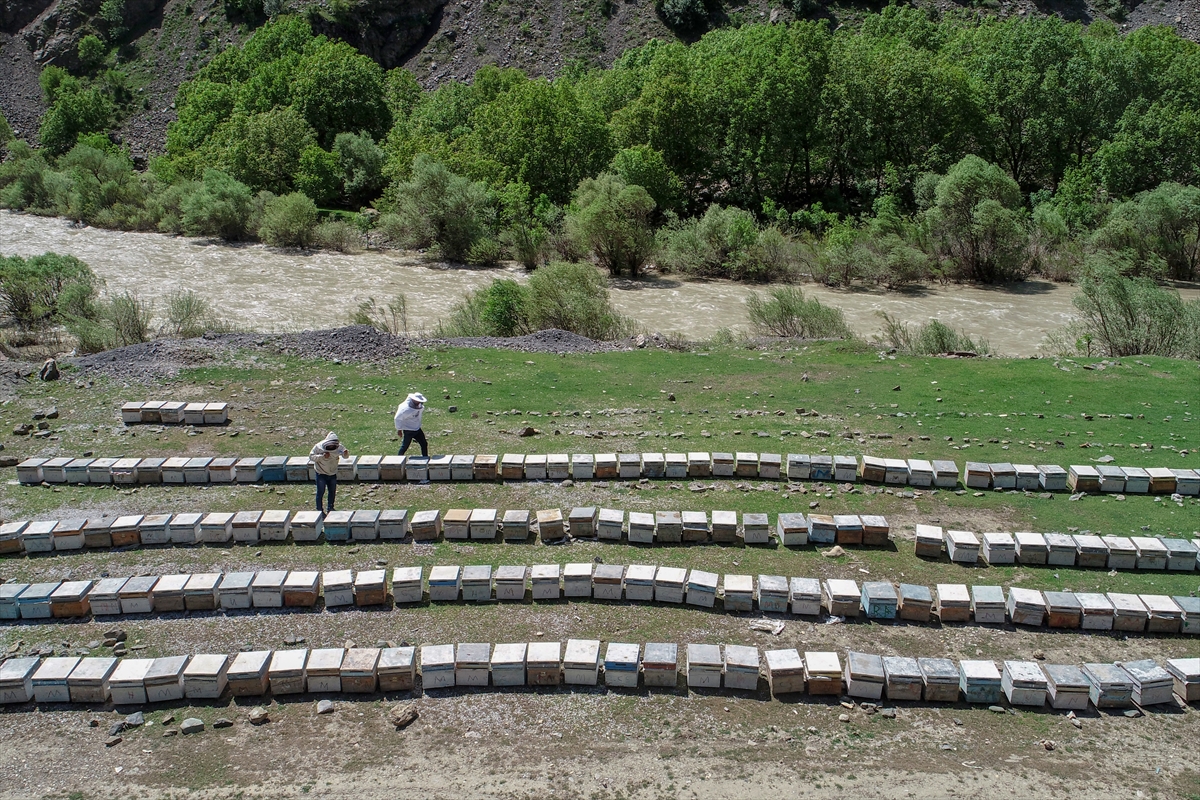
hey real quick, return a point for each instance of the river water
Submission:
(267, 290)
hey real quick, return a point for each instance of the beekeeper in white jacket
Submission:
(408, 423)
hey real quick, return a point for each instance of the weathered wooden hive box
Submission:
(639, 582)
(583, 466)
(799, 466)
(1137, 480)
(1129, 612)
(953, 602)
(695, 526)
(1090, 551)
(1112, 479)
(629, 465)
(1004, 475)
(426, 526)
(558, 466)
(1023, 683)
(477, 583)
(364, 525)
(338, 587)
(1181, 554)
(842, 598)
(583, 522)
(864, 675)
(999, 548)
(1191, 614)
(876, 532)
(739, 593)
(397, 669)
(770, 466)
(297, 469)
(153, 529)
(16, 679)
(704, 666)
(849, 529)
(920, 473)
(581, 662)
(456, 524)
(641, 527)
(741, 667)
(724, 527)
(535, 467)
(577, 579)
(100, 470)
(1162, 480)
(286, 674)
(29, 471)
(773, 594)
(34, 601)
(723, 465)
(247, 675)
(543, 663)
(1151, 553)
(915, 602)
(805, 596)
(445, 583)
(216, 528)
(962, 546)
(392, 468)
(76, 471)
(940, 679)
(127, 684)
(945, 474)
(484, 467)
(1060, 550)
(510, 582)
(745, 465)
(1031, 547)
(606, 466)
(462, 468)
(205, 676)
(621, 664)
(823, 673)
(439, 468)
(200, 591)
(610, 524)
(324, 669)
(134, 594)
(1121, 552)
(668, 527)
(607, 581)
(902, 676)
(1063, 610)
(164, 680)
(246, 470)
(359, 671)
(872, 469)
(515, 525)
(126, 531)
(70, 599)
(702, 588)
(879, 599)
(104, 599)
(929, 540)
(68, 534)
(1151, 683)
(1165, 614)
(416, 468)
(10, 537)
(988, 605)
(1187, 482)
(1026, 477)
(977, 475)
(699, 465)
(1083, 478)
(755, 529)
(896, 471)
(370, 587)
(820, 468)
(669, 583)
(484, 524)
(9, 594)
(88, 682)
(1097, 611)
(1067, 687)
(979, 681)
(544, 582)
(1185, 672)
(660, 664)
(1026, 607)
(508, 664)
(407, 585)
(266, 590)
(785, 671)
(124, 471)
(550, 525)
(437, 666)
(185, 528)
(49, 682)
(167, 594)
(1052, 478)
(1109, 686)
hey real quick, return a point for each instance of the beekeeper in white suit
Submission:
(408, 423)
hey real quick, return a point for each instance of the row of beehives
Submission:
(1060, 549)
(482, 524)
(877, 600)
(138, 681)
(174, 412)
(586, 466)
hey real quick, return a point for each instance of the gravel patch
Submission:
(548, 341)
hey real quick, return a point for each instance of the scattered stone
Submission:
(135, 720)
(1039, 655)
(403, 715)
(325, 707)
(1077, 723)
(191, 725)
(843, 718)
(49, 370)
(888, 713)
(93, 723)
(116, 728)
(112, 741)
(170, 733)
(1049, 745)
(834, 552)
(1133, 713)
(848, 705)
(223, 722)
(958, 722)
(117, 635)
(167, 719)
(259, 716)
(996, 709)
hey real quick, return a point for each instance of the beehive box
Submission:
(34, 602)
(543, 663)
(167, 594)
(1097, 611)
(1137, 480)
(273, 469)
(822, 529)
(299, 469)
(439, 468)
(338, 587)
(823, 673)
(799, 466)
(535, 467)
(164, 680)
(16, 679)
(364, 525)
(641, 527)
(1181, 554)
(485, 467)
(977, 475)
(216, 528)
(305, 526)
(558, 466)
(920, 473)
(953, 602)
(864, 675)
(979, 681)
(896, 471)
(1162, 480)
(843, 598)
(606, 466)
(845, 469)
(392, 469)
(416, 468)
(607, 581)
(1112, 478)
(804, 595)
(510, 583)
(370, 587)
(704, 666)
(962, 546)
(773, 594)
(739, 593)
(135, 595)
(660, 664)
(100, 470)
(445, 583)
(456, 524)
(610, 524)
(668, 527)
(695, 526)
(872, 469)
(1031, 547)
(508, 664)
(621, 664)
(583, 466)
(359, 670)
(1151, 553)
(1004, 475)
(126, 531)
(462, 468)
(702, 588)
(1185, 673)
(1090, 551)
(154, 529)
(639, 582)
(1026, 606)
(9, 592)
(10, 536)
(1083, 478)
(929, 540)
(477, 583)
(301, 589)
(629, 465)
(785, 671)
(879, 599)
(756, 529)
(1027, 477)
(407, 585)
(675, 465)
(200, 592)
(220, 470)
(286, 673)
(945, 474)
(577, 580)
(745, 465)
(335, 526)
(185, 528)
(104, 599)
(1063, 610)
(699, 465)
(550, 525)
(515, 525)
(723, 465)
(999, 547)
(426, 526)
(484, 524)
(916, 602)
(246, 470)
(1023, 683)
(1187, 481)
(1060, 550)
(988, 605)
(1129, 612)
(902, 677)
(1165, 615)
(195, 470)
(1109, 686)
(127, 684)
(76, 471)
(29, 471)
(1066, 687)
(397, 669)
(324, 669)
(849, 529)
(669, 584)
(266, 590)
(124, 471)
(583, 522)
(544, 582)
(245, 526)
(724, 527)
(1191, 614)
(770, 466)
(49, 682)
(70, 599)
(1151, 683)
(437, 666)
(939, 680)
(876, 532)
(1121, 552)
(131, 412)
(581, 662)
(88, 682)
(68, 535)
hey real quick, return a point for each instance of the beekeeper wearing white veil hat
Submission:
(408, 423)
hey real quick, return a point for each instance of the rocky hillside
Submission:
(162, 42)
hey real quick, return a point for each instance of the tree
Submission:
(1154, 142)
(91, 51)
(263, 150)
(319, 175)
(503, 309)
(360, 161)
(438, 207)
(45, 287)
(219, 206)
(612, 220)
(642, 165)
(288, 221)
(73, 113)
(1157, 233)
(337, 89)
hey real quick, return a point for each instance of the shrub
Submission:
(572, 297)
(338, 234)
(437, 207)
(129, 317)
(289, 221)
(644, 166)
(73, 113)
(503, 309)
(45, 288)
(319, 175)
(360, 162)
(486, 252)
(91, 51)
(188, 314)
(218, 206)
(727, 243)
(682, 15)
(612, 220)
(1158, 231)
(1125, 316)
(933, 338)
(392, 318)
(786, 312)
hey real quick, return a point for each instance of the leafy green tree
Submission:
(91, 51)
(264, 150)
(319, 175)
(504, 308)
(289, 221)
(219, 206)
(611, 219)
(1154, 142)
(73, 113)
(571, 297)
(361, 163)
(1157, 233)
(525, 224)
(683, 15)
(23, 179)
(642, 165)
(438, 207)
(44, 288)
(337, 89)
(1132, 316)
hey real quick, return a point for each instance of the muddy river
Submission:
(269, 290)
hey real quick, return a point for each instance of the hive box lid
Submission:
(171, 583)
(1128, 603)
(1107, 675)
(396, 659)
(131, 670)
(1066, 676)
(360, 660)
(1186, 669)
(805, 587)
(582, 652)
(1093, 601)
(575, 571)
(741, 657)
(56, 668)
(511, 573)
(670, 575)
(641, 519)
(543, 653)
(93, 669)
(206, 665)
(608, 573)
(822, 663)
(18, 670)
(444, 574)
(784, 662)
(406, 575)
(1146, 671)
(864, 666)
(510, 653)
(979, 670)
(370, 577)
(929, 532)
(901, 668)
(879, 592)
(245, 518)
(704, 655)
(639, 573)
(164, 670)
(1026, 597)
(325, 660)
(269, 579)
(202, 582)
(476, 573)
(915, 593)
(71, 590)
(741, 584)
(1062, 601)
(139, 585)
(938, 670)
(236, 581)
(304, 518)
(661, 655)
(988, 595)
(621, 655)
(249, 664)
(544, 572)
(437, 655)
(841, 587)
(301, 580)
(1025, 673)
